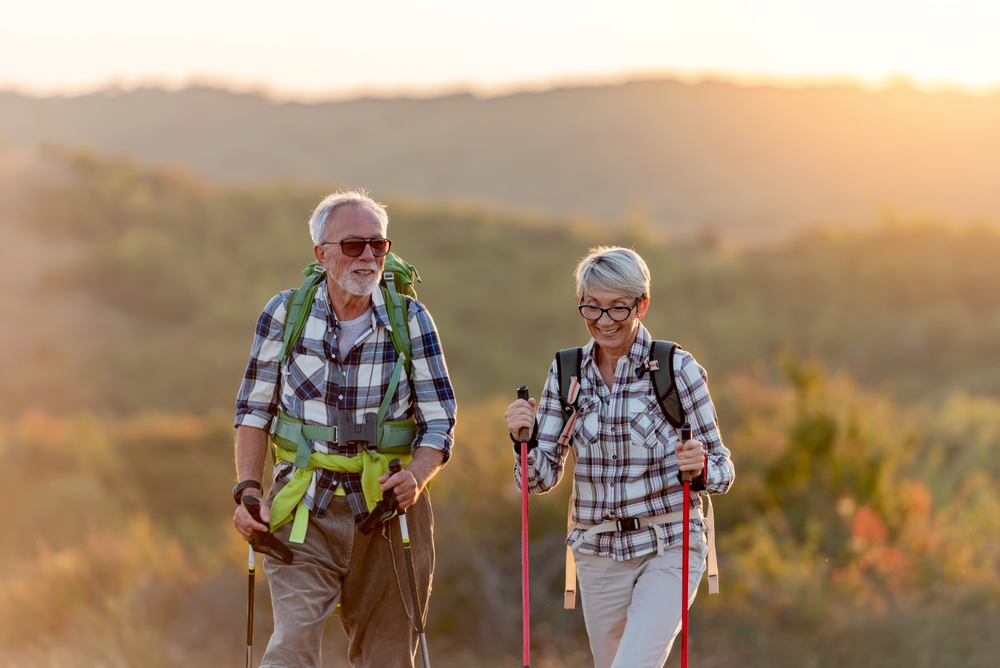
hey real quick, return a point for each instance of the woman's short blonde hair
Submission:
(614, 269)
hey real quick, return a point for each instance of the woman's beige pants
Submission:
(633, 608)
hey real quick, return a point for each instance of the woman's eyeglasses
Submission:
(616, 313)
(354, 246)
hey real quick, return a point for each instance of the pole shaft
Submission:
(251, 571)
(685, 574)
(419, 620)
(526, 631)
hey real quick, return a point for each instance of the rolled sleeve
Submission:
(435, 407)
(546, 462)
(257, 402)
(693, 390)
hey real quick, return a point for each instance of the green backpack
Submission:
(402, 275)
(392, 437)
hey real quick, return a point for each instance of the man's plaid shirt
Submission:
(625, 462)
(317, 383)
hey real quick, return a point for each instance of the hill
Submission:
(130, 287)
(748, 160)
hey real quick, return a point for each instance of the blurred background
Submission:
(816, 189)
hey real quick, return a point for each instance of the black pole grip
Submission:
(684, 476)
(395, 466)
(522, 392)
(252, 504)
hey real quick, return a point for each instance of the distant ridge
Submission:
(737, 158)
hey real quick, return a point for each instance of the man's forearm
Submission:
(251, 452)
(426, 462)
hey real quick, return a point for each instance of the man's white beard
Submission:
(356, 284)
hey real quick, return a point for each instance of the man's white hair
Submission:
(317, 223)
(614, 269)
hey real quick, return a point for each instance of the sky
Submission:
(315, 49)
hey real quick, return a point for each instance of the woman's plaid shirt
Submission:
(625, 462)
(317, 383)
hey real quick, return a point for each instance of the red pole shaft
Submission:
(526, 631)
(685, 574)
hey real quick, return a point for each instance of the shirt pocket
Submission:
(306, 373)
(587, 428)
(648, 429)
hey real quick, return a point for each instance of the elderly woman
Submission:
(628, 500)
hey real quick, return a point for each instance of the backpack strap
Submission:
(664, 381)
(299, 305)
(396, 306)
(568, 369)
(568, 374)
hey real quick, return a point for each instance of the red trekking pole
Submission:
(522, 393)
(685, 546)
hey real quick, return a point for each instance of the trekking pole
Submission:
(395, 466)
(685, 546)
(251, 569)
(522, 393)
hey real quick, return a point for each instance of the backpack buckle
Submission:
(628, 524)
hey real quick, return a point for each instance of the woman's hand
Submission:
(520, 415)
(691, 457)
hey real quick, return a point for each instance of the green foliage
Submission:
(831, 531)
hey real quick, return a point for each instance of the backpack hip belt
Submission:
(656, 524)
(291, 437)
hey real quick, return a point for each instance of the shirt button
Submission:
(611, 514)
(341, 397)
(612, 484)
(343, 373)
(614, 456)
(612, 430)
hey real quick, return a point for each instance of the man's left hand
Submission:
(409, 482)
(405, 485)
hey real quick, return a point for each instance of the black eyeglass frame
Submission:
(365, 242)
(628, 310)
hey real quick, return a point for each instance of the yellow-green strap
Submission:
(371, 466)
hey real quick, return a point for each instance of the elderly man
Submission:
(343, 370)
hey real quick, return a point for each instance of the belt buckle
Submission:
(628, 524)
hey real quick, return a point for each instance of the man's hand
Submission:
(691, 457)
(247, 525)
(410, 482)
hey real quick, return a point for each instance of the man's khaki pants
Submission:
(367, 573)
(633, 608)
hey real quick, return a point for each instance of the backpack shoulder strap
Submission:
(396, 306)
(664, 381)
(567, 368)
(299, 305)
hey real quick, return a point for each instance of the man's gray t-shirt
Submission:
(350, 330)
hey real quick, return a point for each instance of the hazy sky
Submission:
(306, 47)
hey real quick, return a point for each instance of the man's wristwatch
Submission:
(240, 486)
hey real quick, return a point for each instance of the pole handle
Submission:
(252, 504)
(524, 434)
(685, 437)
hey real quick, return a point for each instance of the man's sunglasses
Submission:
(354, 246)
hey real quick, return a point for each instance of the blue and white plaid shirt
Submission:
(625, 461)
(317, 383)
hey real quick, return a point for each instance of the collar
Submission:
(321, 304)
(638, 353)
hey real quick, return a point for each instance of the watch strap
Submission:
(240, 486)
